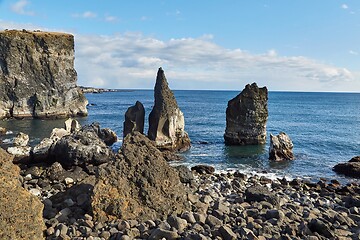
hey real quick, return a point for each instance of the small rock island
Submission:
(246, 117)
(37, 76)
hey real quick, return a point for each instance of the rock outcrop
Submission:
(246, 117)
(166, 121)
(138, 185)
(134, 119)
(350, 168)
(20, 212)
(37, 76)
(21, 151)
(81, 148)
(281, 147)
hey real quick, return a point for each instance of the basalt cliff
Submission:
(37, 76)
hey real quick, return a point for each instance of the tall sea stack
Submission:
(134, 119)
(37, 76)
(246, 117)
(166, 121)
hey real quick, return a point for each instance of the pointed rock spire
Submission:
(166, 121)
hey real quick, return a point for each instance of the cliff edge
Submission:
(37, 76)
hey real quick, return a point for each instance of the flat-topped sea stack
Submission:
(246, 117)
(166, 121)
(37, 76)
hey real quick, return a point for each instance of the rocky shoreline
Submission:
(222, 206)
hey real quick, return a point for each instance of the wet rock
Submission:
(185, 174)
(82, 148)
(281, 147)
(139, 184)
(21, 140)
(203, 169)
(134, 119)
(350, 168)
(43, 83)
(21, 212)
(166, 121)
(246, 117)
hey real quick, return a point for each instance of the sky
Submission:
(297, 45)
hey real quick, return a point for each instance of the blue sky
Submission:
(285, 45)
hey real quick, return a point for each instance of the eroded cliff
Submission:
(37, 76)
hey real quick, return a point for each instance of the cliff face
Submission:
(37, 76)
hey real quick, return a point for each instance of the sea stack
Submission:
(281, 147)
(37, 76)
(246, 117)
(166, 121)
(134, 119)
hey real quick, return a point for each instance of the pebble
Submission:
(69, 181)
(35, 192)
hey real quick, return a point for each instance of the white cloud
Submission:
(20, 8)
(344, 6)
(87, 14)
(111, 19)
(131, 60)
(353, 52)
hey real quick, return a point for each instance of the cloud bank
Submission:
(131, 60)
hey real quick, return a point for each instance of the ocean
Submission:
(324, 127)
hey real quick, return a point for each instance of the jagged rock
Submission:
(82, 148)
(246, 117)
(166, 121)
(105, 134)
(37, 75)
(2, 131)
(350, 168)
(21, 139)
(281, 147)
(138, 185)
(71, 125)
(41, 151)
(134, 119)
(22, 154)
(20, 212)
(58, 133)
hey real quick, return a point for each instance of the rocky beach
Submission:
(74, 185)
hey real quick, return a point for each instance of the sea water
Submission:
(324, 127)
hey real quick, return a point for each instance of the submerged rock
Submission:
(166, 121)
(138, 185)
(20, 211)
(246, 117)
(281, 147)
(134, 119)
(350, 168)
(37, 76)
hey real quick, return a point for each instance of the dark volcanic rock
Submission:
(20, 211)
(37, 75)
(351, 168)
(259, 193)
(166, 121)
(281, 147)
(138, 185)
(82, 148)
(134, 119)
(203, 169)
(246, 117)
